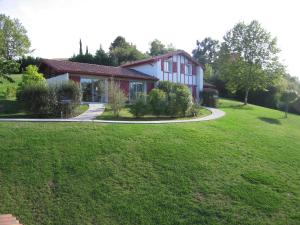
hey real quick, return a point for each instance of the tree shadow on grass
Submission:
(237, 106)
(270, 120)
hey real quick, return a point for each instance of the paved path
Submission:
(97, 109)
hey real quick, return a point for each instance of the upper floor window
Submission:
(168, 66)
(188, 69)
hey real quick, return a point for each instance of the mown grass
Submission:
(240, 169)
(126, 115)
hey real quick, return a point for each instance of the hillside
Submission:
(241, 169)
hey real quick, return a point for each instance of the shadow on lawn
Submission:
(237, 106)
(270, 120)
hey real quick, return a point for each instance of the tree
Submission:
(116, 97)
(32, 75)
(287, 98)
(80, 47)
(158, 48)
(120, 52)
(157, 101)
(7, 67)
(101, 57)
(248, 58)
(14, 41)
(206, 51)
(26, 61)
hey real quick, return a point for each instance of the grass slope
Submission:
(241, 169)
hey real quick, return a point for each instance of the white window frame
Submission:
(168, 66)
(188, 69)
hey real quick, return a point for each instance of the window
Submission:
(188, 69)
(135, 89)
(168, 66)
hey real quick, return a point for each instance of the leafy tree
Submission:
(121, 52)
(101, 57)
(158, 48)
(32, 75)
(287, 98)
(206, 50)
(248, 58)
(116, 97)
(14, 41)
(7, 67)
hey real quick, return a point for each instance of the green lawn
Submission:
(241, 169)
(126, 115)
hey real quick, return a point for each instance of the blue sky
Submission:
(55, 26)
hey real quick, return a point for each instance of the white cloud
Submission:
(55, 26)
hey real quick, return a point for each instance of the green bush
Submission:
(32, 75)
(66, 98)
(139, 107)
(157, 100)
(43, 100)
(10, 92)
(194, 110)
(35, 97)
(210, 97)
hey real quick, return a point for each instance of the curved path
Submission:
(97, 109)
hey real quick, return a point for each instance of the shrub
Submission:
(32, 75)
(157, 100)
(10, 92)
(184, 99)
(176, 100)
(116, 97)
(43, 100)
(194, 110)
(139, 107)
(65, 98)
(210, 97)
(35, 97)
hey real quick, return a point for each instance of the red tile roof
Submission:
(156, 58)
(64, 66)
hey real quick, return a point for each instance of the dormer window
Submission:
(188, 69)
(168, 66)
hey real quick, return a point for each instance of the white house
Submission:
(134, 77)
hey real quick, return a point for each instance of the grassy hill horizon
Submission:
(241, 169)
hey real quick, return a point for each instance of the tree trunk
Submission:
(286, 110)
(246, 97)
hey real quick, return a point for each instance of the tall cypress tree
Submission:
(87, 50)
(80, 47)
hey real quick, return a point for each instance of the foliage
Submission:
(288, 97)
(67, 97)
(35, 97)
(194, 110)
(157, 100)
(178, 98)
(120, 52)
(40, 99)
(158, 48)
(210, 97)
(139, 107)
(7, 67)
(14, 41)
(206, 51)
(10, 92)
(26, 61)
(116, 97)
(248, 58)
(32, 75)
(101, 57)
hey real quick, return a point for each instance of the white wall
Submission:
(58, 79)
(149, 69)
